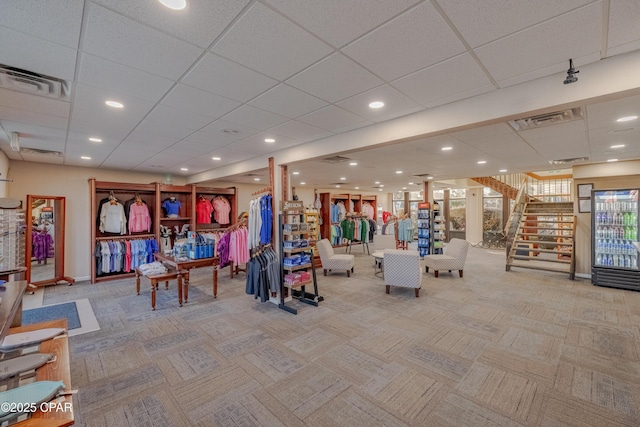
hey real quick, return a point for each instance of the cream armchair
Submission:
(454, 257)
(402, 268)
(332, 261)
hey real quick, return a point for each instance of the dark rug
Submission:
(67, 310)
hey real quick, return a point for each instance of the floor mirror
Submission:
(45, 233)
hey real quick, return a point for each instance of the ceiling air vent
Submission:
(40, 152)
(546, 119)
(568, 161)
(335, 159)
(36, 84)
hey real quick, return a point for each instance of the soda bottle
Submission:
(599, 259)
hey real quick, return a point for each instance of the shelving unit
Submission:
(438, 230)
(297, 257)
(312, 218)
(12, 239)
(325, 211)
(153, 195)
(210, 194)
(424, 229)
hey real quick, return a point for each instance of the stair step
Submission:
(544, 251)
(555, 236)
(557, 270)
(533, 258)
(542, 242)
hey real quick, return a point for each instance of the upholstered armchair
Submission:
(454, 257)
(402, 268)
(332, 261)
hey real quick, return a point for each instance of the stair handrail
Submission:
(511, 226)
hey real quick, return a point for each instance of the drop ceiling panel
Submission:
(454, 78)
(623, 24)
(168, 159)
(287, 101)
(196, 101)
(333, 118)
(218, 75)
(300, 131)
(200, 23)
(120, 39)
(393, 50)
(552, 42)
(603, 115)
(166, 129)
(221, 132)
(269, 43)
(126, 156)
(27, 117)
(117, 78)
(396, 104)
(43, 56)
(483, 22)
(81, 140)
(151, 141)
(334, 79)
(168, 116)
(34, 103)
(42, 158)
(89, 107)
(246, 115)
(255, 145)
(57, 21)
(193, 147)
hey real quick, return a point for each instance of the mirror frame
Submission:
(59, 231)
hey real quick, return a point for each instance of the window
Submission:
(457, 209)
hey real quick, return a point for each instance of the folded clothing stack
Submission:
(152, 268)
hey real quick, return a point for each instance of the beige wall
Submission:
(602, 176)
(71, 182)
(4, 170)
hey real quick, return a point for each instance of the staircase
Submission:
(497, 185)
(543, 238)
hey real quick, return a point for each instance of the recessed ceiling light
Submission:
(626, 119)
(269, 140)
(612, 160)
(617, 146)
(296, 173)
(174, 4)
(411, 183)
(353, 164)
(114, 104)
(377, 182)
(380, 189)
(303, 183)
(337, 186)
(503, 170)
(404, 188)
(216, 158)
(376, 104)
(381, 185)
(342, 178)
(357, 188)
(85, 157)
(482, 162)
(95, 139)
(429, 177)
(184, 169)
(446, 148)
(398, 172)
(256, 179)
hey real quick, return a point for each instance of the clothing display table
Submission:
(188, 265)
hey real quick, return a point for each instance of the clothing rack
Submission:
(264, 190)
(127, 237)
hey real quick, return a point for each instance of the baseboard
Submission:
(583, 275)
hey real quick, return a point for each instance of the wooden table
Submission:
(188, 265)
(164, 277)
(62, 414)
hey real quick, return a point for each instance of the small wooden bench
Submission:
(165, 277)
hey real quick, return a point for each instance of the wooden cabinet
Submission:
(179, 210)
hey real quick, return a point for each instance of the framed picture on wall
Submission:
(584, 205)
(584, 191)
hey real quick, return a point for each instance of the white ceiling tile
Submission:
(624, 17)
(57, 21)
(300, 131)
(339, 22)
(44, 57)
(395, 104)
(34, 103)
(333, 118)
(165, 129)
(410, 42)
(153, 142)
(486, 21)
(267, 42)
(174, 116)
(552, 42)
(118, 78)
(89, 107)
(196, 101)
(218, 75)
(444, 80)
(80, 140)
(603, 115)
(126, 157)
(194, 147)
(287, 101)
(9, 114)
(221, 132)
(200, 23)
(335, 78)
(247, 115)
(123, 40)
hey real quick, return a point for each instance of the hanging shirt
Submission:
(221, 210)
(139, 218)
(112, 219)
(204, 209)
(267, 219)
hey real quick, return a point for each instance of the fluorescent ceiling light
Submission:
(95, 139)
(617, 146)
(114, 104)
(376, 104)
(626, 119)
(446, 148)
(85, 157)
(216, 158)
(174, 4)
(269, 140)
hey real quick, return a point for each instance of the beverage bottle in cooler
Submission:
(627, 261)
(603, 218)
(599, 259)
(598, 217)
(610, 260)
(634, 261)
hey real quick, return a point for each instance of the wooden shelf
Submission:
(296, 250)
(297, 267)
(298, 285)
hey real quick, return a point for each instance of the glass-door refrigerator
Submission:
(614, 242)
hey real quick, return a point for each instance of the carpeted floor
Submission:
(495, 348)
